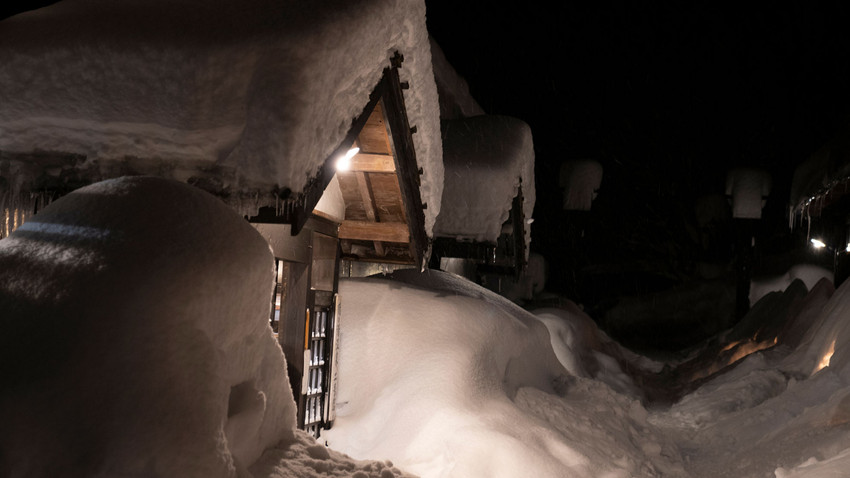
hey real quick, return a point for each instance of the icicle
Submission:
(809, 226)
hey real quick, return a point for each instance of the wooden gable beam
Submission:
(374, 231)
(372, 163)
(399, 129)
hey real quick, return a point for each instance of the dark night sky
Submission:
(667, 99)
(657, 88)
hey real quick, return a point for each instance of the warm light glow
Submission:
(12, 219)
(824, 361)
(818, 244)
(344, 163)
(732, 353)
(847, 249)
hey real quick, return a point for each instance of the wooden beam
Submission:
(375, 231)
(372, 163)
(365, 190)
(395, 118)
(368, 198)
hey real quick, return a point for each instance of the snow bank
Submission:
(581, 347)
(306, 458)
(783, 410)
(808, 273)
(486, 159)
(245, 96)
(826, 343)
(836, 466)
(434, 390)
(136, 339)
(449, 379)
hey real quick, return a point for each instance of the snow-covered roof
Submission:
(580, 179)
(250, 96)
(825, 172)
(748, 188)
(455, 99)
(486, 160)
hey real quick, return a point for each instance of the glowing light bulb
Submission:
(817, 243)
(344, 163)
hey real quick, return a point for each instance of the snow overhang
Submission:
(822, 179)
(486, 159)
(245, 99)
(455, 99)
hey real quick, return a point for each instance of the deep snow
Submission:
(441, 395)
(136, 342)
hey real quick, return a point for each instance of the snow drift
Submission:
(449, 379)
(435, 390)
(135, 337)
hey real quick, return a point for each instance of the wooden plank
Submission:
(374, 231)
(324, 215)
(292, 323)
(373, 137)
(389, 204)
(395, 118)
(366, 195)
(368, 198)
(372, 163)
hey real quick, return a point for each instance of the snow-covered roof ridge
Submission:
(455, 99)
(253, 94)
(487, 158)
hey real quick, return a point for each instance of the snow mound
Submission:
(810, 274)
(136, 339)
(449, 379)
(581, 347)
(305, 458)
(836, 466)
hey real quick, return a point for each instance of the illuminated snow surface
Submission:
(446, 379)
(121, 356)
